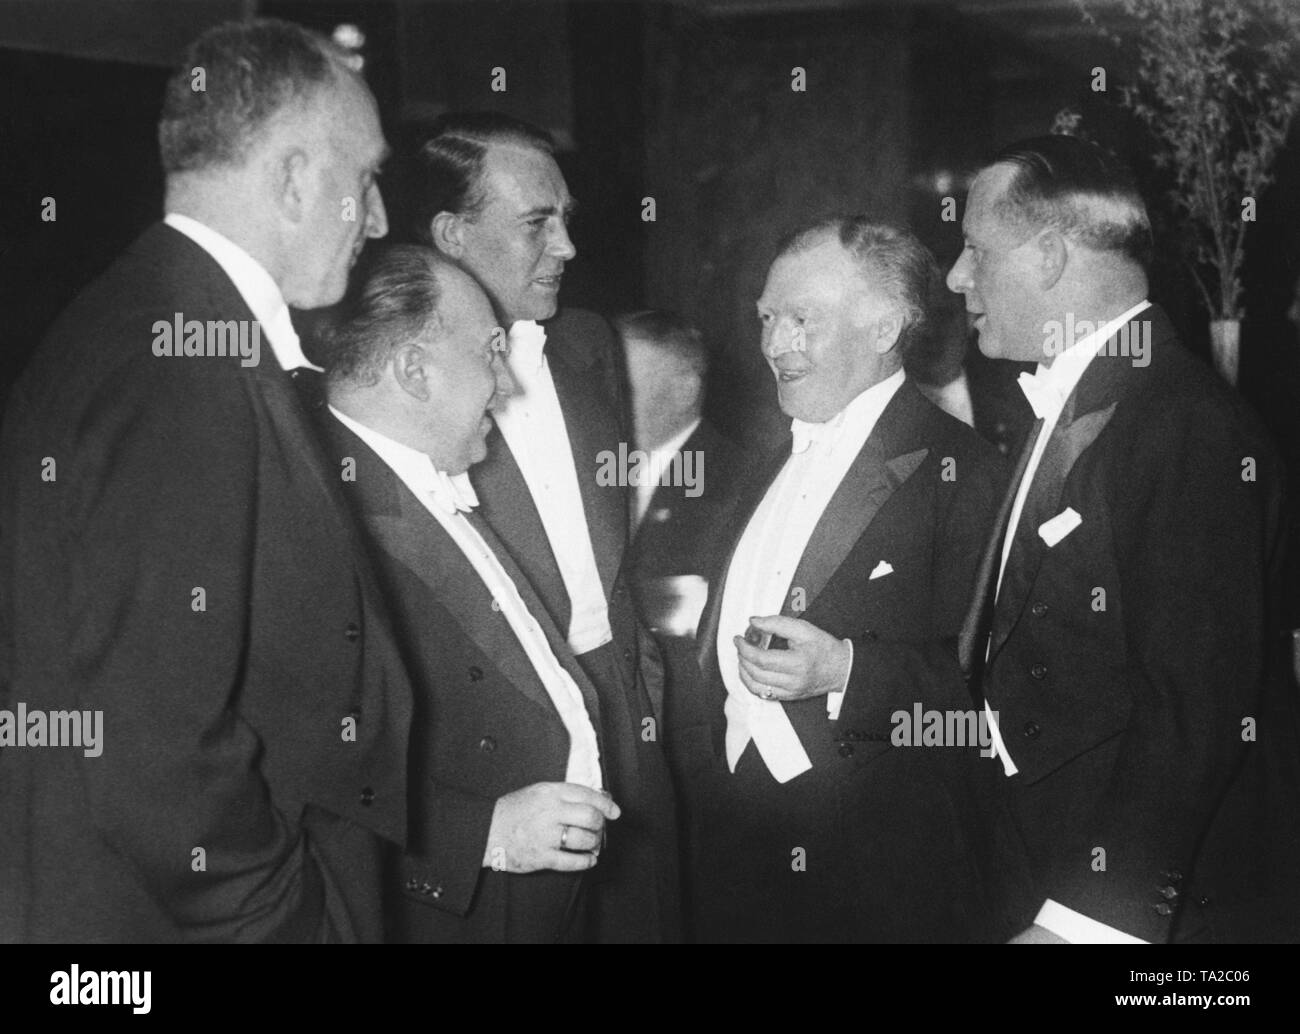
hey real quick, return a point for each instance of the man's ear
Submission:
(448, 232)
(413, 370)
(888, 329)
(1053, 254)
(290, 183)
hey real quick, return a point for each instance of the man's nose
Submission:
(376, 214)
(958, 279)
(561, 245)
(779, 338)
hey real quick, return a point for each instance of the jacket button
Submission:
(846, 750)
(1038, 609)
(1169, 893)
(412, 884)
(1164, 909)
(1203, 900)
(1174, 876)
(426, 888)
(488, 744)
(475, 673)
(352, 633)
(1039, 671)
(436, 893)
(1032, 730)
(367, 796)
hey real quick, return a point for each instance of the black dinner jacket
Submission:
(636, 896)
(901, 818)
(1130, 661)
(484, 724)
(189, 569)
(1125, 657)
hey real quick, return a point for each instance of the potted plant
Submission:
(1218, 82)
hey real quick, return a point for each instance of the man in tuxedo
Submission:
(811, 820)
(177, 559)
(507, 809)
(1121, 626)
(491, 198)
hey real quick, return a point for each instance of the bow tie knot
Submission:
(1044, 398)
(805, 435)
(453, 494)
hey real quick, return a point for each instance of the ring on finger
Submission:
(564, 837)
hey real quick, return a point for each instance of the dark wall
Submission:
(734, 157)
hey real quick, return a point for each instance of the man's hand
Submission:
(556, 826)
(1037, 935)
(815, 664)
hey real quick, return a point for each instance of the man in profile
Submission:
(176, 557)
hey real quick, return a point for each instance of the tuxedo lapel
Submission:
(402, 528)
(606, 506)
(507, 505)
(882, 465)
(1087, 411)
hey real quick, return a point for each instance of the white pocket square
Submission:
(883, 568)
(1059, 526)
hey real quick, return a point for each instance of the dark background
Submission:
(689, 103)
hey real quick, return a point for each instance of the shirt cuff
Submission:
(834, 701)
(1077, 928)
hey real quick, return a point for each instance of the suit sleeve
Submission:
(161, 534)
(1192, 531)
(452, 857)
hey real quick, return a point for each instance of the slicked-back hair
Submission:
(447, 169)
(890, 258)
(669, 333)
(1078, 189)
(250, 71)
(394, 298)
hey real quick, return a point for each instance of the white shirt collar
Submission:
(862, 412)
(415, 468)
(1050, 386)
(255, 285)
(527, 339)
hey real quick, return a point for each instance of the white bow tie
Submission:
(1043, 396)
(453, 494)
(527, 339)
(805, 434)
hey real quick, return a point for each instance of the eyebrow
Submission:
(570, 207)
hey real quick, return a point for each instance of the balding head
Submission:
(416, 354)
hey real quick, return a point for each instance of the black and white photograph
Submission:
(684, 472)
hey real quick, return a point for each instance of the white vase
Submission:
(1225, 342)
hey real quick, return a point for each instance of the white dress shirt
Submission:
(446, 498)
(758, 579)
(1048, 389)
(533, 426)
(260, 292)
(660, 459)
